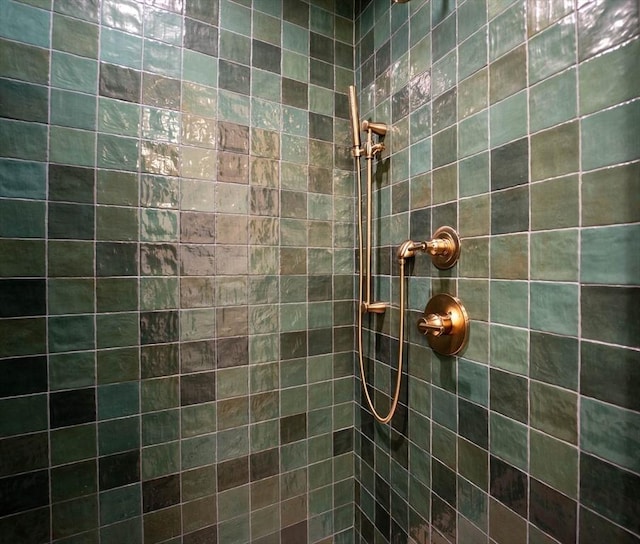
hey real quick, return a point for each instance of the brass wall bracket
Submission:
(445, 323)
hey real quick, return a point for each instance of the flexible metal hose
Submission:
(396, 396)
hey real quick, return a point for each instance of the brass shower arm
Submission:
(444, 248)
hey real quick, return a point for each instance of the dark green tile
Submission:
(71, 370)
(115, 330)
(554, 411)
(554, 359)
(554, 152)
(70, 296)
(555, 203)
(73, 444)
(74, 480)
(70, 258)
(545, 248)
(509, 256)
(620, 304)
(23, 415)
(509, 210)
(611, 196)
(609, 374)
(22, 336)
(118, 365)
(24, 62)
(23, 101)
(562, 474)
(116, 294)
(75, 36)
(74, 516)
(507, 75)
(610, 432)
(119, 435)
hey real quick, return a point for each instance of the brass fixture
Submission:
(444, 248)
(445, 323)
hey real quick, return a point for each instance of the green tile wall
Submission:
(516, 122)
(176, 271)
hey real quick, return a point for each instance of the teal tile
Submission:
(610, 432)
(162, 58)
(265, 85)
(562, 474)
(610, 137)
(22, 179)
(198, 451)
(117, 152)
(120, 504)
(162, 25)
(473, 175)
(608, 255)
(509, 440)
(71, 333)
(72, 146)
(472, 54)
(509, 349)
(117, 117)
(199, 68)
(554, 308)
(510, 303)
(546, 247)
(235, 17)
(74, 73)
(471, 16)
(295, 66)
(21, 140)
(25, 24)
(552, 50)
(507, 30)
(321, 21)
(120, 48)
(295, 38)
(473, 382)
(554, 100)
(122, 14)
(610, 78)
(541, 14)
(474, 134)
(75, 110)
(233, 107)
(118, 400)
(22, 218)
(508, 119)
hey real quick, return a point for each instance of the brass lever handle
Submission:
(435, 324)
(445, 323)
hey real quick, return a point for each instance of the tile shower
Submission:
(177, 271)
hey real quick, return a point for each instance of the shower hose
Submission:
(361, 309)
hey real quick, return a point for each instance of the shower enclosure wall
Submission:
(177, 278)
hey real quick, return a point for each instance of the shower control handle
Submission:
(435, 324)
(445, 323)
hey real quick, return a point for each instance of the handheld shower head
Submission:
(377, 128)
(355, 118)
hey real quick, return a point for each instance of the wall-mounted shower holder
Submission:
(445, 323)
(444, 248)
